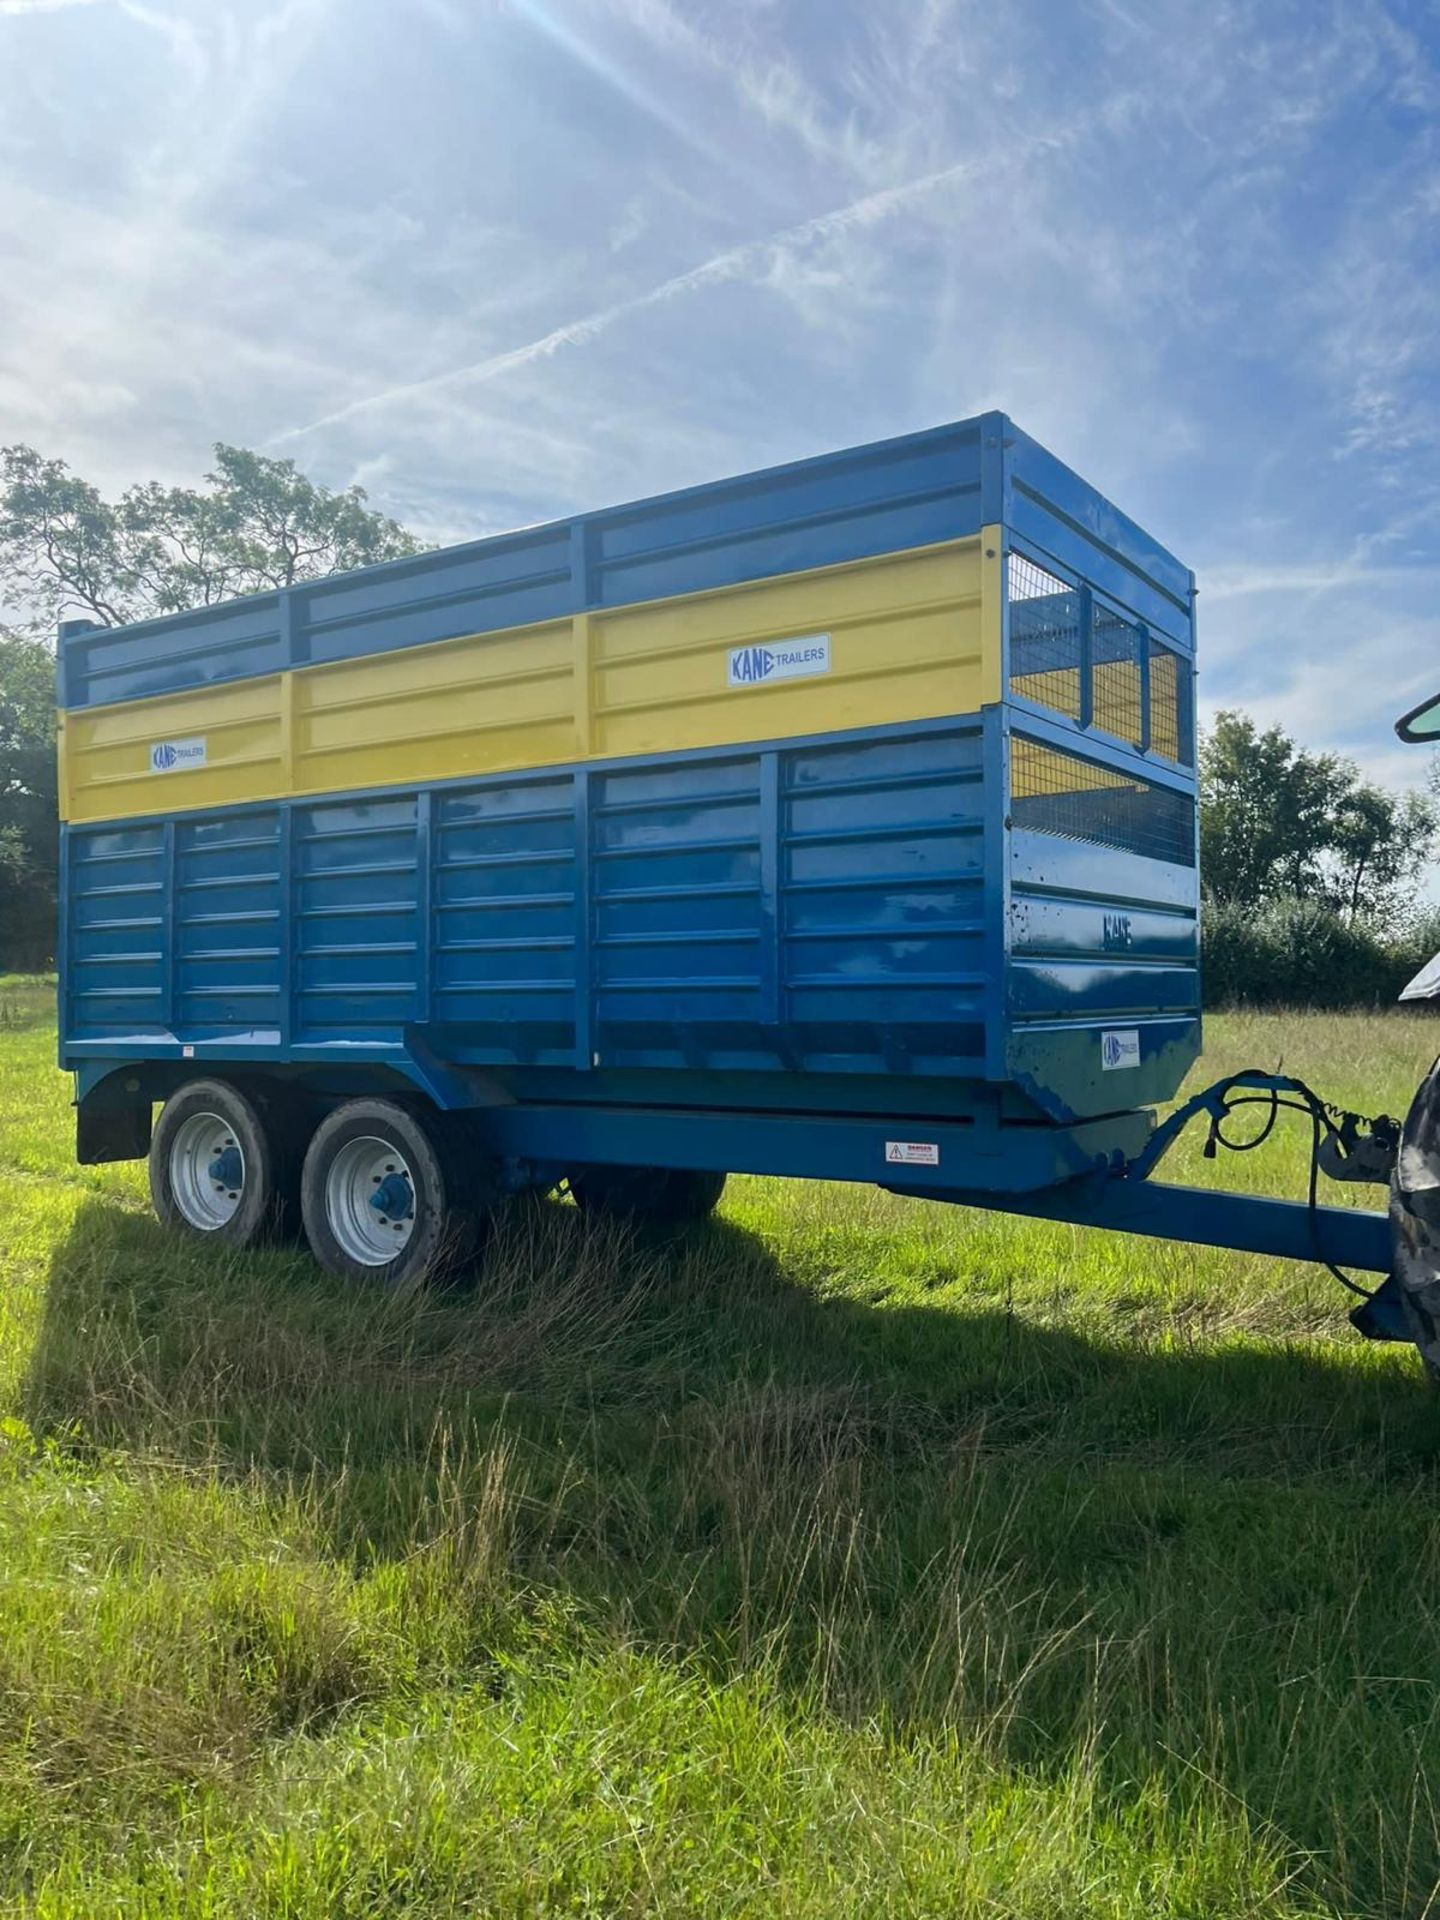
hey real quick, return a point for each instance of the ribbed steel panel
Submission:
(818, 907)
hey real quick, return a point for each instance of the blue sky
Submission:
(502, 259)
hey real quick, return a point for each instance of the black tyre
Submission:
(221, 1169)
(648, 1196)
(387, 1196)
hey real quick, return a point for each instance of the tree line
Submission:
(255, 524)
(1311, 873)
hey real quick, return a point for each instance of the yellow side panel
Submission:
(487, 703)
(911, 636)
(906, 643)
(107, 770)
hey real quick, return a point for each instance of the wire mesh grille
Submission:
(1044, 637)
(1170, 729)
(1115, 676)
(1053, 792)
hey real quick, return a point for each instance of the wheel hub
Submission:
(207, 1171)
(392, 1199)
(227, 1169)
(370, 1201)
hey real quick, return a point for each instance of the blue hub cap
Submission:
(227, 1169)
(392, 1198)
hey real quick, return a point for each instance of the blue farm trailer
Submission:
(837, 820)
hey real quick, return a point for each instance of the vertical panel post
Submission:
(994, 624)
(285, 936)
(995, 884)
(424, 907)
(62, 946)
(287, 733)
(1087, 656)
(583, 688)
(170, 927)
(62, 767)
(289, 629)
(771, 1010)
(584, 986)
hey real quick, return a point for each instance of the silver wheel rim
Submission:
(207, 1171)
(370, 1201)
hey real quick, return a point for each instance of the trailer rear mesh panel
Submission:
(1045, 637)
(1057, 793)
(1116, 704)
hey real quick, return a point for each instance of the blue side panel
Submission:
(504, 884)
(853, 505)
(818, 907)
(227, 926)
(812, 907)
(1102, 935)
(1052, 509)
(884, 903)
(676, 864)
(513, 581)
(358, 938)
(883, 498)
(235, 641)
(116, 982)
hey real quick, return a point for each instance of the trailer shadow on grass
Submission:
(1198, 1564)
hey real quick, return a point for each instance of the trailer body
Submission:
(839, 818)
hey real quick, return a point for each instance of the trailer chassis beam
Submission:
(1204, 1216)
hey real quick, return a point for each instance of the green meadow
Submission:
(851, 1556)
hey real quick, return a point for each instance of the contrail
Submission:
(731, 265)
(42, 6)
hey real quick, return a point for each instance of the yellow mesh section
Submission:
(1061, 794)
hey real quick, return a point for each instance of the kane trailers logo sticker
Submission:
(1119, 1047)
(912, 1153)
(175, 756)
(780, 660)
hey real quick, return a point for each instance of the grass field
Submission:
(855, 1556)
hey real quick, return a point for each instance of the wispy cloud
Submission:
(1248, 583)
(753, 259)
(44, 6)
(607, 67)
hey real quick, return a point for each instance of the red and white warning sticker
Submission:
(912, 1153)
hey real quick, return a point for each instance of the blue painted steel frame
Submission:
(1203, 1216)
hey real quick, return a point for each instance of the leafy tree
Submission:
(1380, 844)
(1280, 822)
(258, 523)
(29, 831)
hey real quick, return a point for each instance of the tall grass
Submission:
(852, 1555)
